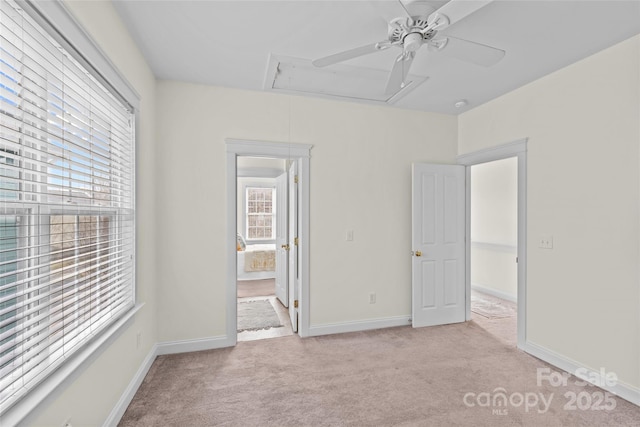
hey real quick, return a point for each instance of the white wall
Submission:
(89, 398)
(494, 227)
(360, 180)
(583, 125)
(260, 163)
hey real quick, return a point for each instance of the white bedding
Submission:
(254, 275)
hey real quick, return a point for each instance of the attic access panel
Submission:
(300, 76)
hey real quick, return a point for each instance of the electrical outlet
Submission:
(546, 241)
(349, 236)
(372, 298)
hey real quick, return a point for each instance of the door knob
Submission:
(285, 247)
(418, 253)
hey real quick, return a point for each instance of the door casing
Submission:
(293, 253)
(517, 149)
(301, 154)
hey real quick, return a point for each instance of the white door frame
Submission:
(517, 149)
(293, 253)
(301, 153)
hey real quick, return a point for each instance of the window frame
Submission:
(245, 212)
(60, 23)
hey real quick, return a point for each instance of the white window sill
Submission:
(28, 404)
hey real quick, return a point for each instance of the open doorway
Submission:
(262, 228)
(494, 247)
(293, 247)
(516, 150)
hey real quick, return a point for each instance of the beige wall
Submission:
(360, 180)
(583, 125)
(494, 227)
(89, 399)
(260, 163)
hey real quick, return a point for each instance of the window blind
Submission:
(66, 205)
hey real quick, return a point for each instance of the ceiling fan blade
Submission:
(473, 52)
(350, 54)
(399, 73)
(385, 9)
(421, 7)
(456, 10)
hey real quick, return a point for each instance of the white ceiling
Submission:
(228, 43)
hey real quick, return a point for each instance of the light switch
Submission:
(546, 241)
(349, 235)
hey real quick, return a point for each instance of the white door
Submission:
(293, 247)
(282, 232)
(438, 238)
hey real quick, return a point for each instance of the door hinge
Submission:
(295, 303)
(516, 260)
(295, 179)
(295, 241)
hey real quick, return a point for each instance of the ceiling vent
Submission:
(339, 81)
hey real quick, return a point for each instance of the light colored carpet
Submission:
(390, 377)
(256, 288)
(257, 315)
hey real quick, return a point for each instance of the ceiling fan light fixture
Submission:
(412, 42)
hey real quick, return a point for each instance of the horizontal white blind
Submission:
(66, 205)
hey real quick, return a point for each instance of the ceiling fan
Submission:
(423, 27)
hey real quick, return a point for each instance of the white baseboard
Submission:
(624, 391)
(118, 411)
(169, 347)
(186, 346)
(493, 292)
(360, 325)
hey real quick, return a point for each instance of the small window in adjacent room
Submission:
(260, 213)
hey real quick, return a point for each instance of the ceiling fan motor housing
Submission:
(411, 33)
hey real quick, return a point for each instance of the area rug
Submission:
(491, 309)
(257, 315)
